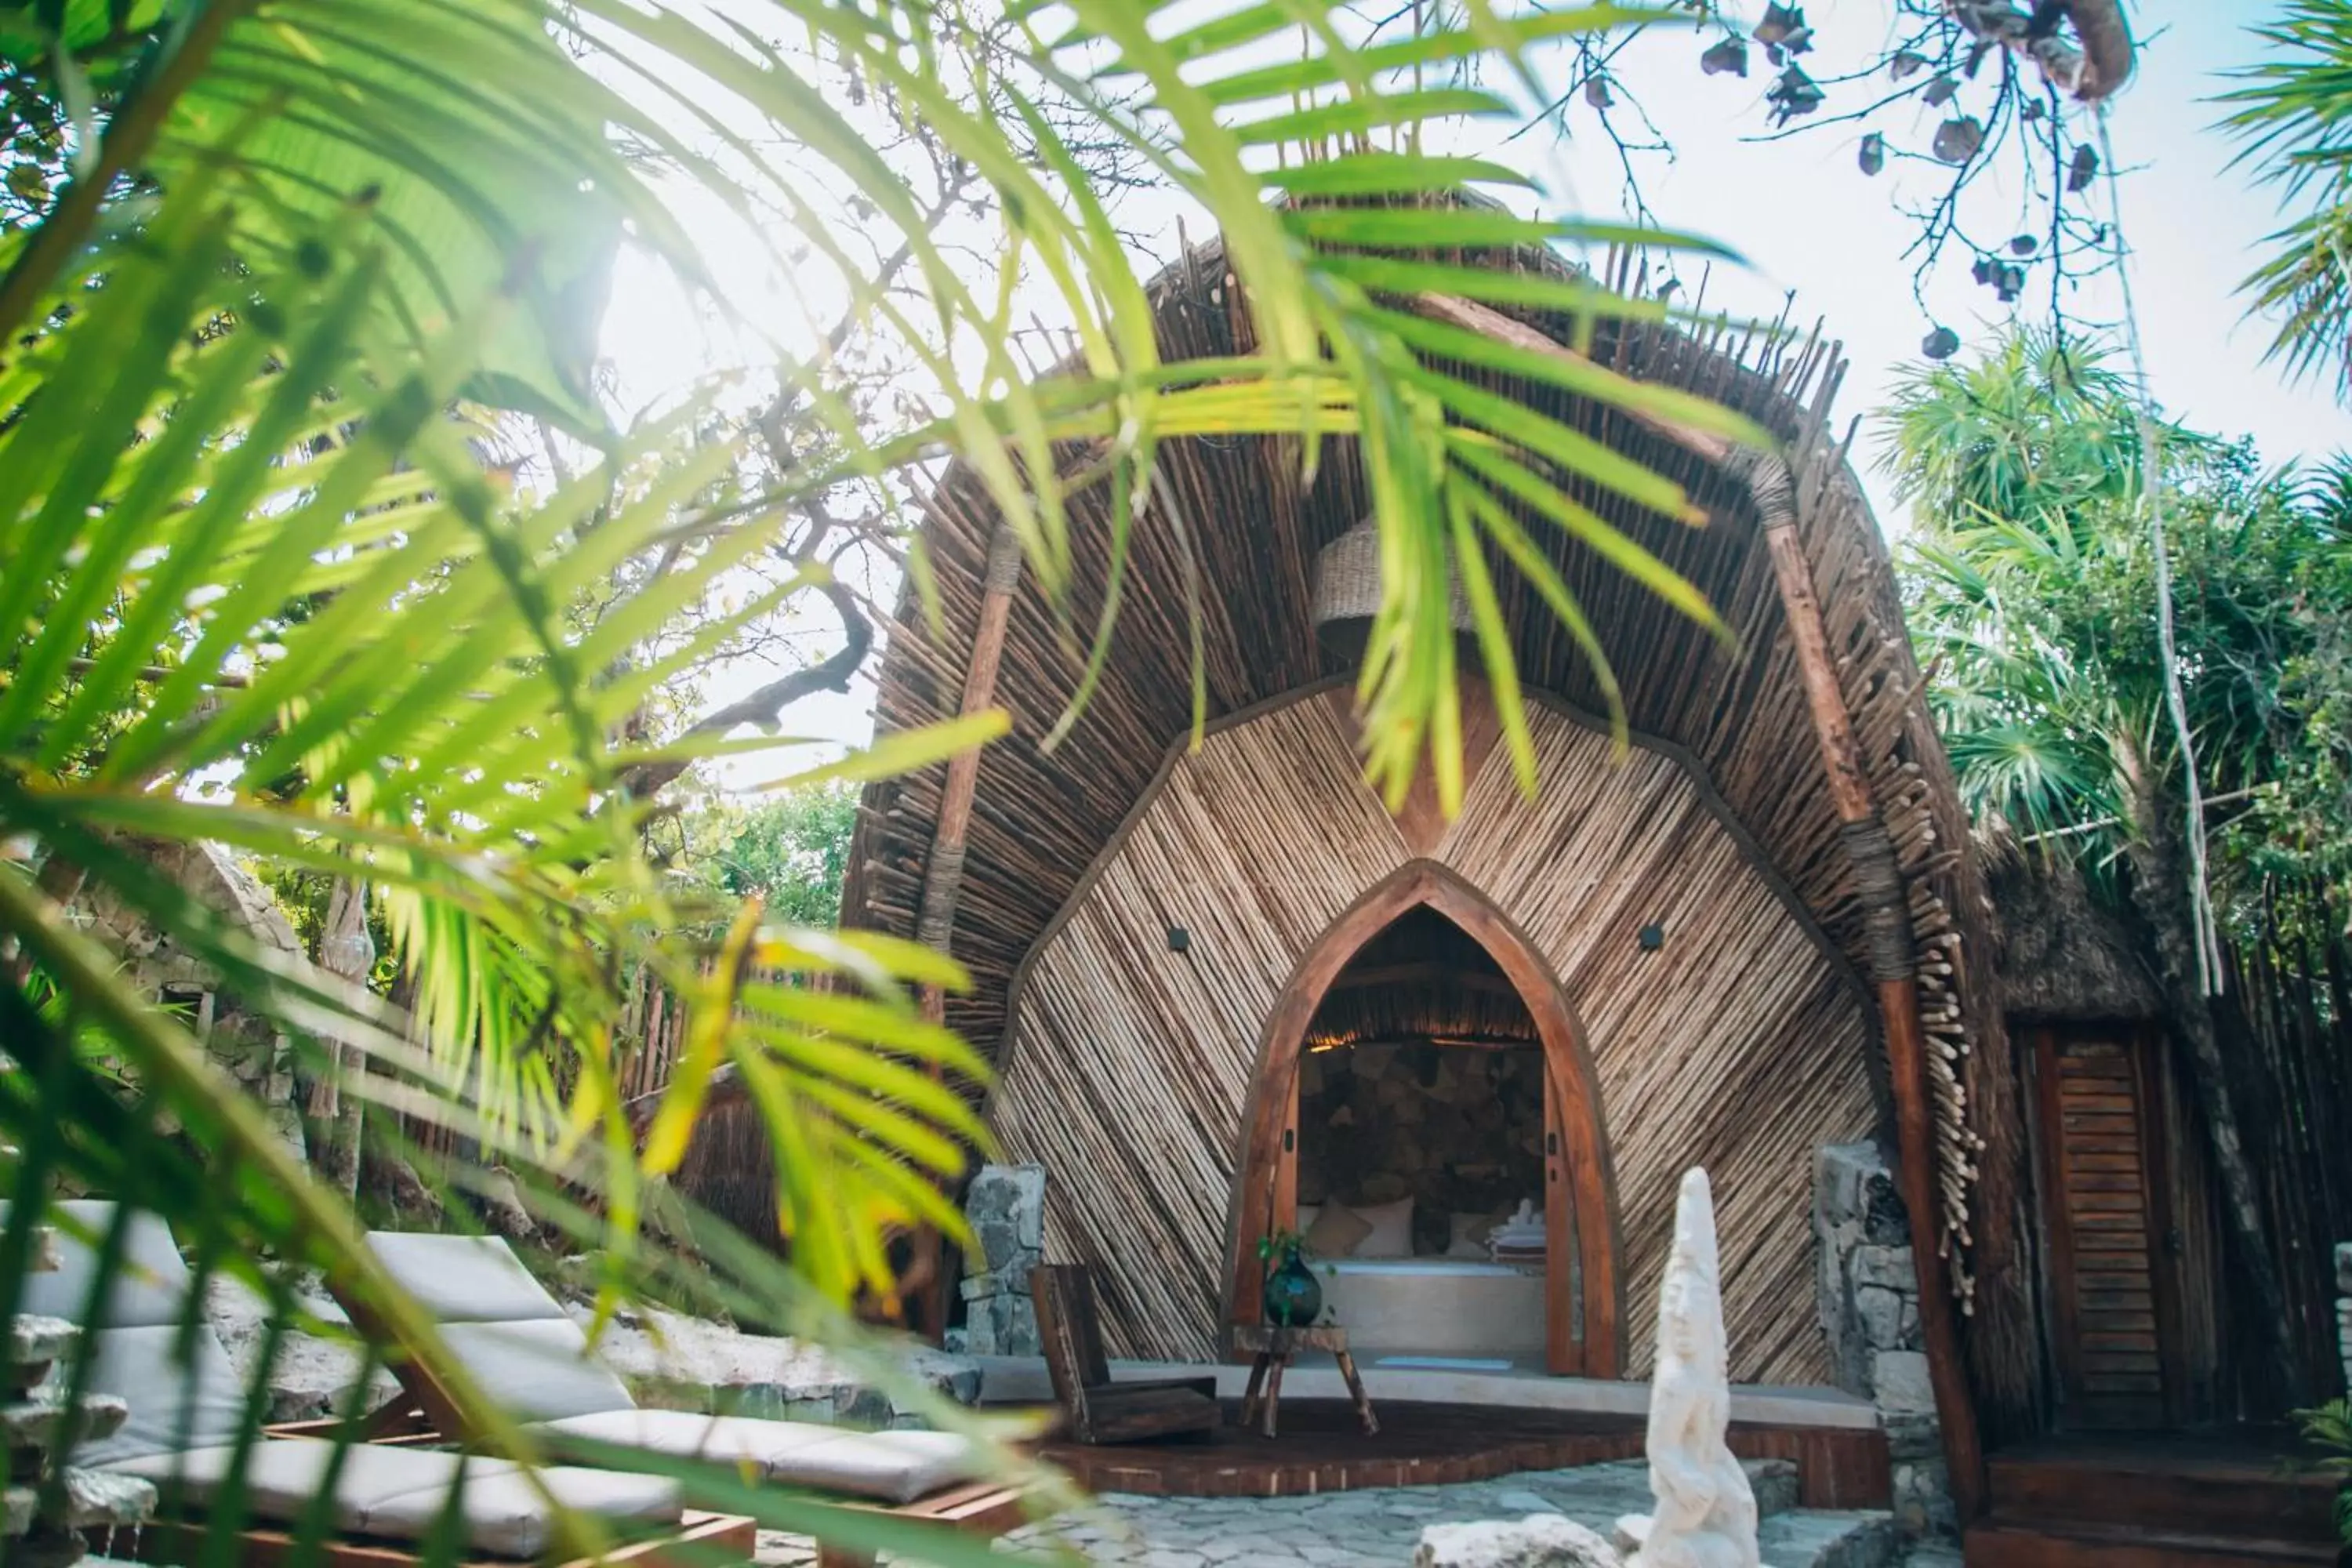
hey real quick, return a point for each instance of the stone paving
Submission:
(1378, 1528)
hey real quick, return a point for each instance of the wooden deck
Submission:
(1321, 1448)
(2165, 1500)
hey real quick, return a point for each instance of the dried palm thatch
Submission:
(1233, 536)
(2063, 955)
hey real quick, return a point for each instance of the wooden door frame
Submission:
(1578, 1178)
(2145, 1045)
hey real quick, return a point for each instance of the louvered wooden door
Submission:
(2113, 1266)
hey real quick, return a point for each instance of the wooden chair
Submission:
(1096, 1409)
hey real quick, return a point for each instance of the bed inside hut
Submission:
(1420, 1154)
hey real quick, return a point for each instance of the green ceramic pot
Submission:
(1294, 1297)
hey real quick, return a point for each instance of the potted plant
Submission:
(1294, 1297)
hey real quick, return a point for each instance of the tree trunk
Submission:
(347, 951)
(2159, 888)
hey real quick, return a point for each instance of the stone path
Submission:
(1378, 1527)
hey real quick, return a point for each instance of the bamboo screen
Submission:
(1739, 1044)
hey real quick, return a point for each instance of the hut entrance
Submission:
(1420, 1150)
(2114, 1242)
(1425, 1113)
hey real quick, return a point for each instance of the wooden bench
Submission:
(1095, 1409)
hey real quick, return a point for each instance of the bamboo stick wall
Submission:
(1236, 518)
(1740, 1045)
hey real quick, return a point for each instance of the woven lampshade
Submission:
(1347, 579)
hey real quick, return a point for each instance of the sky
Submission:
(1813, 233)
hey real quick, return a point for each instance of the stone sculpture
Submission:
(1706, 1512)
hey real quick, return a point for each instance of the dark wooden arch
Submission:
(1578, 1180)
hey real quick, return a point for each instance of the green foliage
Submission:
(2030, 582)
(2293, 115)
(290, 263)
(790, 850)
(2328, 1428)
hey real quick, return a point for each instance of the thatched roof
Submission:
(2063, 953)
(1252, 529)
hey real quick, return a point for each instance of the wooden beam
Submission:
(943, 868)
(1886, 907)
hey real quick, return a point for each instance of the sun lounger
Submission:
(530, 1355)
(186, 1415)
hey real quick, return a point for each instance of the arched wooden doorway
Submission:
(1580, 1199)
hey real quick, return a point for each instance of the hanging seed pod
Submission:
(2024, 245)
(1596, 92)
(1941, 344)
(1873, 156)
(1730, 54)
(1905, 63)
(1940, 90)
(2030, 111)
(2084, 169)
(1780, 22)
(2008, 282)
(1793, 94)
(1957, 141)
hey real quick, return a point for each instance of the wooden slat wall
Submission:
(1237, 523)
(1739, 1045)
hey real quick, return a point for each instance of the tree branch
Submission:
(764, 707)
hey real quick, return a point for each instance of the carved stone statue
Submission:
(1705, 1514)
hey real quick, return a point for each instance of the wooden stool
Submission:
(1273, 1348)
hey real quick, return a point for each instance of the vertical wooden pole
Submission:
(943, 871)
(1893, 958)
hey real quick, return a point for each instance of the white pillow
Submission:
(1391, 1234)
(1468, 1237)
(1306, 1220)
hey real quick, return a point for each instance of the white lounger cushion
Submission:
(520, 1343)
(401, 1493)
(538, 1368)
(887, 1467)
(463, 1278)
(195, 1404)
(150, 1290)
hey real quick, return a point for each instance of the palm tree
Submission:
(2031, 589)
(285, 270)
(2292, 112)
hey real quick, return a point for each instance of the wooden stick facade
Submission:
(1074, 863)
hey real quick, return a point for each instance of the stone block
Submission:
(1912, 1437)
(1839, 1171)
(2344, 1268)
(1880, 1310)
(44, 1421)
(1003, 1325)
(1006, 1205)
(1541, 1540)
(1922, 1499)
(1889, 1268)
(1899, 1382)
(96, 1500)
(36, 1342)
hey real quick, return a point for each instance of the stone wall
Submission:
(1868, 1292)
(1457, 1129)
(1006, 1206)
(2343, 1308)
(250, 1046)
